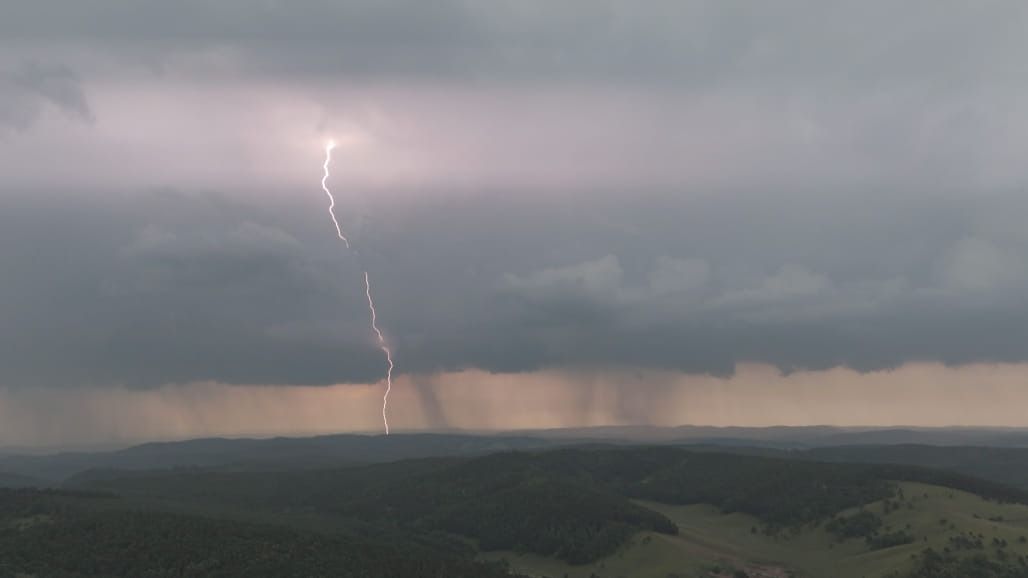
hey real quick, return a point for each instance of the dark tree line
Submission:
(933, 564)
(574, 504)
(60, 536)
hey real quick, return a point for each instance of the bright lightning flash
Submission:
(385, 349)
(332, 200)
(367, 288)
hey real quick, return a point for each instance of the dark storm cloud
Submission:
(702, 285)
(168, 287)
(699, 42)
(173, 287)
(846, 187)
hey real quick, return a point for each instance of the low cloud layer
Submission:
(172, 287)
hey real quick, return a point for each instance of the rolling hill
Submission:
(603, 511)
(549, 507)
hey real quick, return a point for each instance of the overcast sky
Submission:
(542, 193)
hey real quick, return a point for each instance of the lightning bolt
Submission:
(332, 200)
(385, 349)
(382, 344)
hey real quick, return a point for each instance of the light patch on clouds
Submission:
(432, 138)
(603, 279)
(671, 275)
(790, 282)
(976, 265)
(600, 277)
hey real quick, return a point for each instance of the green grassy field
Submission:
(711, 543)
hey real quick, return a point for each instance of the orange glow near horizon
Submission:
(916, 394)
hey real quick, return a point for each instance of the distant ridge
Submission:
(271, 453)
(9, 480)
(351, 449)
(791, 437)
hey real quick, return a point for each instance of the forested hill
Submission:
(8, 480)
(432, 517)
(1005, 465)
(60, 534)
(573, 503)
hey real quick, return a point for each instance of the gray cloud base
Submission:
(173, 287)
